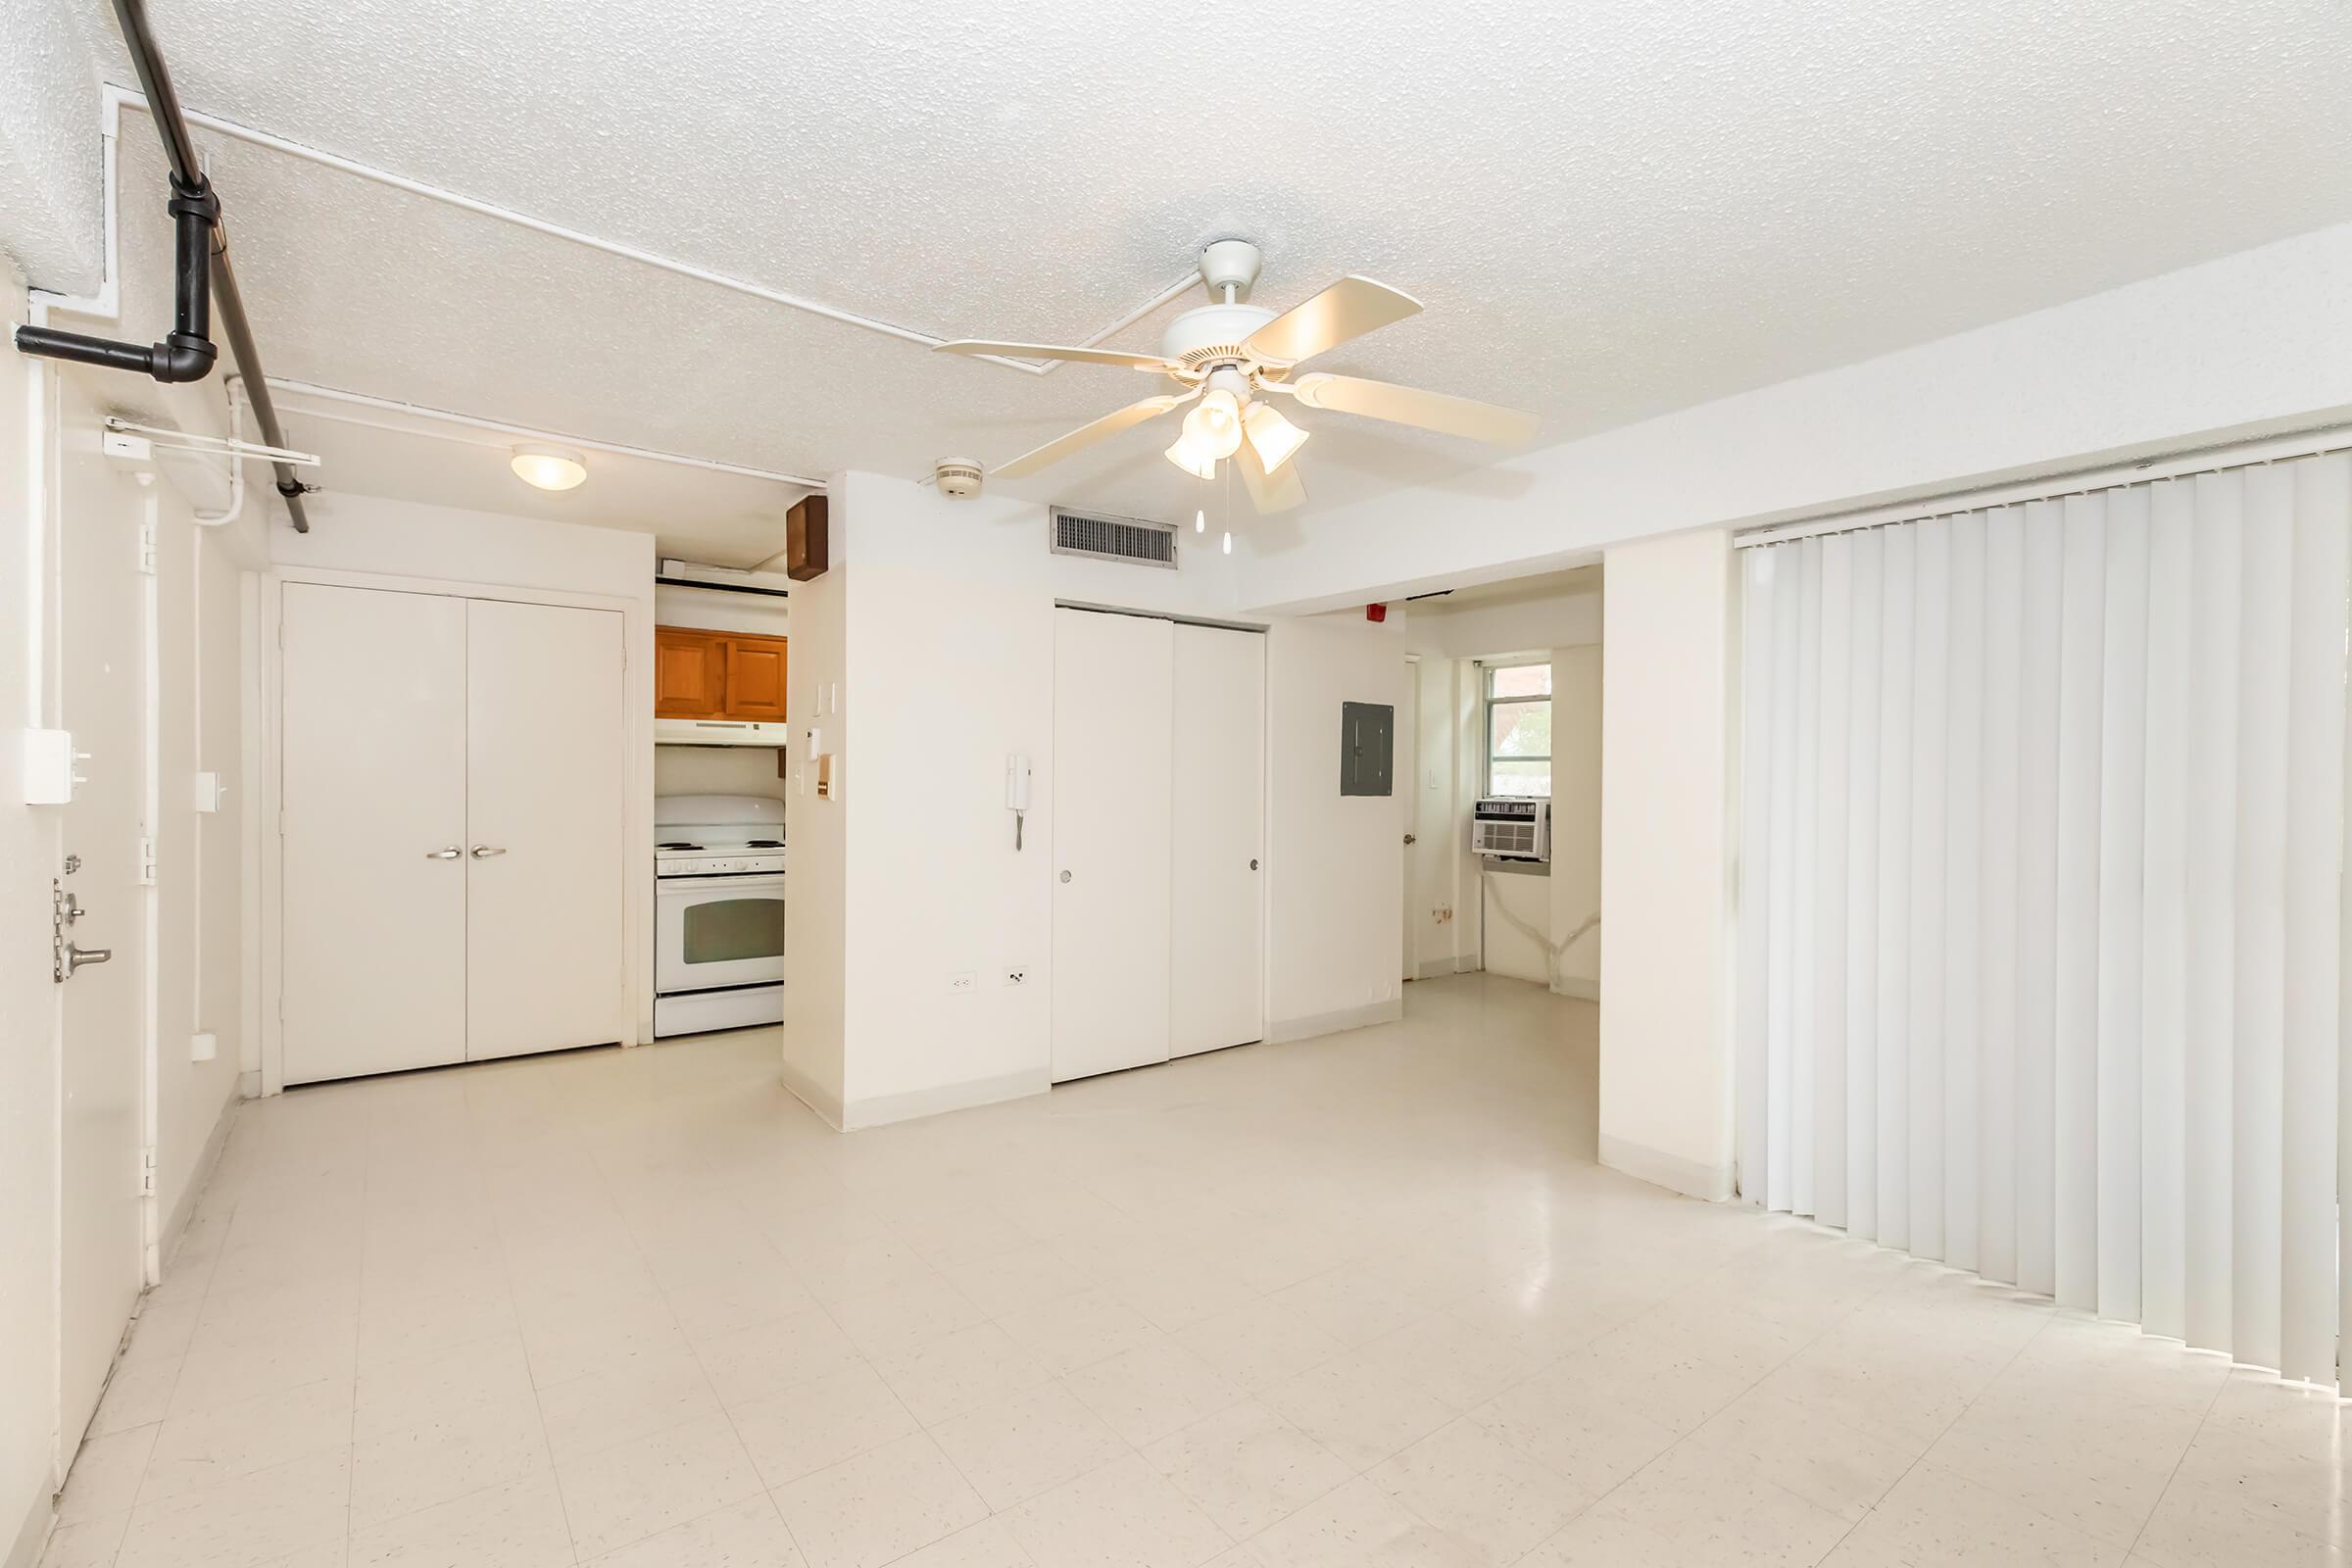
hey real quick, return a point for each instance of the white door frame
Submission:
(637, 817)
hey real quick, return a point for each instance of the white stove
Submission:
(718, 913)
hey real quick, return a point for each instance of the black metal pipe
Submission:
(202, 274)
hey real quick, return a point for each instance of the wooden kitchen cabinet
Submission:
(690, 673)
(717, 675)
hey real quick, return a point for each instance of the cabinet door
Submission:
(755, 677)
(1218, 933)
(1111, 791)
(545, 902)
(373, 777)
(690, 673)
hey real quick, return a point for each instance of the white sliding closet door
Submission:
(1217, 963)
(372, 785)
(544, 766)
(2044, 943)
(1113, 681)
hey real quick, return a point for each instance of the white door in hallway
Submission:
(107, 625)
(545, 763)
(1217, 815)
(1112, 733)
(372, 790)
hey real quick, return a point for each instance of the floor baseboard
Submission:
(1670, 1171)
(1332, 1023)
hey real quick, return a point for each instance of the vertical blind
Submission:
(2041, 900)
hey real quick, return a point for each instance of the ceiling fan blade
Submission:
(1086, 435)
(1048, 351)
(1411, 405)
(1278, 491)
(1350, 307)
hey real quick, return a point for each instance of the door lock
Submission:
(1066, 876)
(63, 957)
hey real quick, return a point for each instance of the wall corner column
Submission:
(1668, 710)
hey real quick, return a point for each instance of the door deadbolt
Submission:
(1066, 876)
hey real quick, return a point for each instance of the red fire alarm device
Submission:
(1376, 612)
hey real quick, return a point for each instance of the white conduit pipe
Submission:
(540, 225)
(505, 433)
(236, 461)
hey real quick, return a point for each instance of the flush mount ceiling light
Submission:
(1229, 359)
(549, 468)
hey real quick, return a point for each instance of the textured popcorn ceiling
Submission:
(1611, 209)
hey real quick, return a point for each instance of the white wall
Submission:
(719, 769)
(446, 543)
(1575, 819)
(937, 620)
(199, 954)
(1335, 864)
(2249, 344)
(817, 831)
(28, 1111)
(199, 856)
(1560, 616)
(1667, 711)
(1444, 903)
(1527, 925)
(949, 667)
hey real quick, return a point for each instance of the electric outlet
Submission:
(1016, 976)
(963, 981)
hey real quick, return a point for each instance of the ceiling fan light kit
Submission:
(1229, 355)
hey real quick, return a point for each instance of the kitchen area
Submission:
(722, 649)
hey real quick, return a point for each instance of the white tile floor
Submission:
(1358, 1301)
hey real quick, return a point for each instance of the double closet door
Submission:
(451, 784)
(1158, 841)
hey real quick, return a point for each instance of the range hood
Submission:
(719, 732)
(730, 579)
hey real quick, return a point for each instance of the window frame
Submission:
(1488, 702)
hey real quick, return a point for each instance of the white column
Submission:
(1668, 759)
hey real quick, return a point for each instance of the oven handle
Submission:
(673, 888)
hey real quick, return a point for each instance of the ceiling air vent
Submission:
(1128, 539)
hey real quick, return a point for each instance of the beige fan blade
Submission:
(1278, 491)
(1047, 351)
(1411, 405)
(1086, 435)
(1350, 307)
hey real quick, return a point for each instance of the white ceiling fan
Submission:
(1233, 359)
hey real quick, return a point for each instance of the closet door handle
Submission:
(483, 852)
(449, 854)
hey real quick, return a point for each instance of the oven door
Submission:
(717, 931)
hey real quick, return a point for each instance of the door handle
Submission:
(76, 956)
(449, 854)
(1410, 839)
(483, 852)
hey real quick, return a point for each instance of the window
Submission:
(1519, 730)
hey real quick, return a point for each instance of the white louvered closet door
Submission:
(2042, 892)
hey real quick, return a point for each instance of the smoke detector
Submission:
(958, 477)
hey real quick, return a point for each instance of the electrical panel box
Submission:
(1367, 748)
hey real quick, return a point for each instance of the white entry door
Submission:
(1217, 919)
(373, 785)
(106, 626)
(544, 910)
(1113, 693)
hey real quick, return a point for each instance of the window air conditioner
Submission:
(1508, 829)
